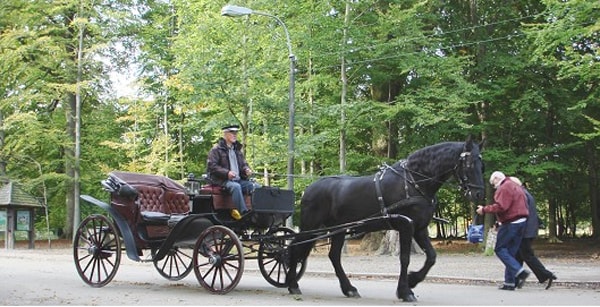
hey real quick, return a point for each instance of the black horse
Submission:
(405, 193)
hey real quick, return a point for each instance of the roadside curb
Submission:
(591, 285)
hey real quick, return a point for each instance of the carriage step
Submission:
(159, 218)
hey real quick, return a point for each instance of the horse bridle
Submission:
(465, 162)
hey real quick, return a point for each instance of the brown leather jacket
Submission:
(217, 162)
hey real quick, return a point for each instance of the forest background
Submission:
(374, 81)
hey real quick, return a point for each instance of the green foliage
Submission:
(523, 74)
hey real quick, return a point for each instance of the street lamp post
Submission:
(237, 11)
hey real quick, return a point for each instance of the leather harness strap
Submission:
(404, 202)
(378, 176)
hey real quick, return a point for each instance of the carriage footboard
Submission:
(271, 206)
(273, 200)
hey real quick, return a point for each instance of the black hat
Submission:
(231, 128)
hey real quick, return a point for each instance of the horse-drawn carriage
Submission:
(190, 229)
(182, 229)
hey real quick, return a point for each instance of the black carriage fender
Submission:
(185, 233)
(121, 224)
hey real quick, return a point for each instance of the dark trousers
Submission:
(507, 247)
(527, 255)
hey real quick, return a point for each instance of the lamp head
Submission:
(235, 11)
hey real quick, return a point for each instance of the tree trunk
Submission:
(371, 241)
(554, 220)
(77, 136)
(390, 244)
(594, 189)
(69, 166)
(2, 162)
(344, 79)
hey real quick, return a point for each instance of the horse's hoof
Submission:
(353, 293)
(295, 291)
(409, 298)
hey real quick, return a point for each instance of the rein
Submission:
(463, 183)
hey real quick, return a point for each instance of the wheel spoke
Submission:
(91, 262)
(176, 265)
(208, 272)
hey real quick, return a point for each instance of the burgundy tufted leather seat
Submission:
(155, 199)
(176, 202)
(222, 199)
(150, 199)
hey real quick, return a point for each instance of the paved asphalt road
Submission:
(48, 277)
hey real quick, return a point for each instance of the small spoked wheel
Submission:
(218, 259)
(97, 250)
(274, 259)
(176, 265)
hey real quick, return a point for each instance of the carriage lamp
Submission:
(192, 186)
(238, 11)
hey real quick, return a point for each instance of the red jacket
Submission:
(510, 202)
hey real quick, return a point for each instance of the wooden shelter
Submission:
(17, 213)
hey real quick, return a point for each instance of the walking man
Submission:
(510, 207)
(526, 253)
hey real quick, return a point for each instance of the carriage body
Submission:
(181, 228)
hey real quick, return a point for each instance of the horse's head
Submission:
(469, 171)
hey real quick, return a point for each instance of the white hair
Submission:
(497, 175)
(516, 180)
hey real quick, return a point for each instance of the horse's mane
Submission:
(432, 159)
(423, 158)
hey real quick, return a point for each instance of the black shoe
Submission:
(550, 280)
(507, 287)
(521, 278)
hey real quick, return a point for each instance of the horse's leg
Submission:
(297, 253)
(403, 291)
(422, 239)
(335, 254)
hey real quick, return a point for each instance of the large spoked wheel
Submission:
(218, 259)
(176, 265)
(97, 250)
(274, 258)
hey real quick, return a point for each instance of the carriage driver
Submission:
(227, 167)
